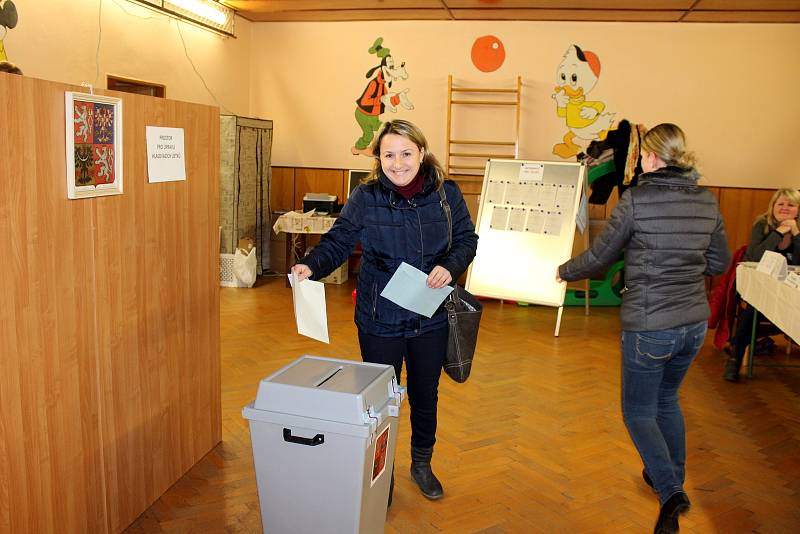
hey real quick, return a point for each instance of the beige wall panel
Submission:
(282, 189)
(739, 208)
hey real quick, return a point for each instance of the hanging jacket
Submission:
(723, 302)
(393, 230)
(673, 236)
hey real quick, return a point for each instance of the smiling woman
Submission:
(775, 230)
(400, 159)
(397, 216)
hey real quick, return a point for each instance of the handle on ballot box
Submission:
(319, 439)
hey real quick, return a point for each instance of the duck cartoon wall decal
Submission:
(586, 120)
(8, 20)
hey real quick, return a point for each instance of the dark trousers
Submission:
(741, 339)
(424, 356)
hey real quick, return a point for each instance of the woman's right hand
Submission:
(789, 225)
(301, 272)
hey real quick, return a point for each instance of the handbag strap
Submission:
(450, 302)
(448, 214)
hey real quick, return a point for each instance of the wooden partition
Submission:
(109, 321)
(739, 206)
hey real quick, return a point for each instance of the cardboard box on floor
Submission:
(339, 276)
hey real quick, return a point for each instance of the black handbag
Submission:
(463, 318)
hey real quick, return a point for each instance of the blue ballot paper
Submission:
(407, 289)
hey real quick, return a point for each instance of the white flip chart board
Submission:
(526, 224)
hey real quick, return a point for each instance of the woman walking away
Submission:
(673, 236)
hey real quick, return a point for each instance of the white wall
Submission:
(58, 40)
(730, 86)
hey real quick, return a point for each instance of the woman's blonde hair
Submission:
(413, 134)
(772, 223)
(668, 142)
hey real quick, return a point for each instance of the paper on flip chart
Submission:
(310, 312)
(407, 288)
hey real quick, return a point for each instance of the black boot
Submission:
(732, 369)
(668, 517)
(423, 475)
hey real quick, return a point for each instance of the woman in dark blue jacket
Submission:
(398, 217)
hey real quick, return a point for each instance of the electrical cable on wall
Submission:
(161, 17)
(186, 51)
(99, 40)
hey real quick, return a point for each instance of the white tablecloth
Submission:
(295, 222)
(779, 302)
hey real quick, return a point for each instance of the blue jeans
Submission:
(424, 357)
(653, 366)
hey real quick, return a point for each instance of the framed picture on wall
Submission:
(93, 145)
(354, 178)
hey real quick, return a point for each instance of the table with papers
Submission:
(297, 225)
(776, 300)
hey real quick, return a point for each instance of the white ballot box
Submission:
(324, 434)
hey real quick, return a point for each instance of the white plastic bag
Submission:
(244, 267)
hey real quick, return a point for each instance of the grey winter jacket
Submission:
(761, 242)
(673, 236)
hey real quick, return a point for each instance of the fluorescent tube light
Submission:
(207, 14)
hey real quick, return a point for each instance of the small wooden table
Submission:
(296, 225)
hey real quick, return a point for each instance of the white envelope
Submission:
(310, 311)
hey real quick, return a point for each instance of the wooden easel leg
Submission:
(558, 320)
(586, 300)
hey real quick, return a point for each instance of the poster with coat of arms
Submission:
(94, 145)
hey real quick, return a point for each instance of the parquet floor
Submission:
(532, 443)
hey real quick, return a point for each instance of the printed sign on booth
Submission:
(166, 160)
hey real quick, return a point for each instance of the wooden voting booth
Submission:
(526, 223)
(109, 322)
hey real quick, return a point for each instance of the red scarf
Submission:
(412, 188)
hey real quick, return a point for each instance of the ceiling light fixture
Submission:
(208, 14)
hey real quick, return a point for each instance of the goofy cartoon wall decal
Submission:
(576, 76)
(377, 96)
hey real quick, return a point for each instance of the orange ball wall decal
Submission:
(488, 53)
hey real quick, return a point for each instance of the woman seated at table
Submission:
(776, 230)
